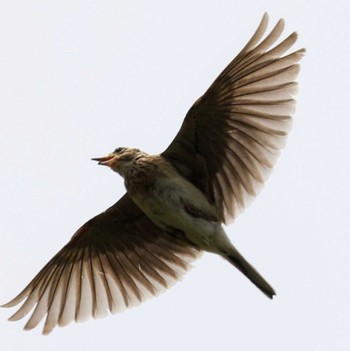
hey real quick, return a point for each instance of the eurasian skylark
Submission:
(176, 202)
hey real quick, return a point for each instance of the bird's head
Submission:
(120, 160)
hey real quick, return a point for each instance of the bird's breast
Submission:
(167, 198)
(140, 179)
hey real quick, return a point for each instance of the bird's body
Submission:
(177, 202)
(174, 204)
(170, 201)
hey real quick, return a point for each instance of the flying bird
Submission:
(177, 202)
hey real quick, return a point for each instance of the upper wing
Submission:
(114, 261)
(231, 137)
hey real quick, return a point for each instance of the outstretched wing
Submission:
(231, 137)
(114, 261)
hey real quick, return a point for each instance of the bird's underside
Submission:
(226, 147)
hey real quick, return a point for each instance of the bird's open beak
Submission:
(109, 160)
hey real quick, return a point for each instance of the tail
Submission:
(235, 258)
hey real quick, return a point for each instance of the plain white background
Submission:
(79, 78)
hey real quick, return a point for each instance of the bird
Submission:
(177, 203)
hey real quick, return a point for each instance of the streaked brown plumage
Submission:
(176, 201)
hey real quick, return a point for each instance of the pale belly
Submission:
(164, 205)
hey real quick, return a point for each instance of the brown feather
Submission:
(116, 260)
(239, 125)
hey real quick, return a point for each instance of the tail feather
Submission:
(236, 259)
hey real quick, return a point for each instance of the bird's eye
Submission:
(118, 150)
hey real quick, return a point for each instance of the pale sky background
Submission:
(79, 78)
